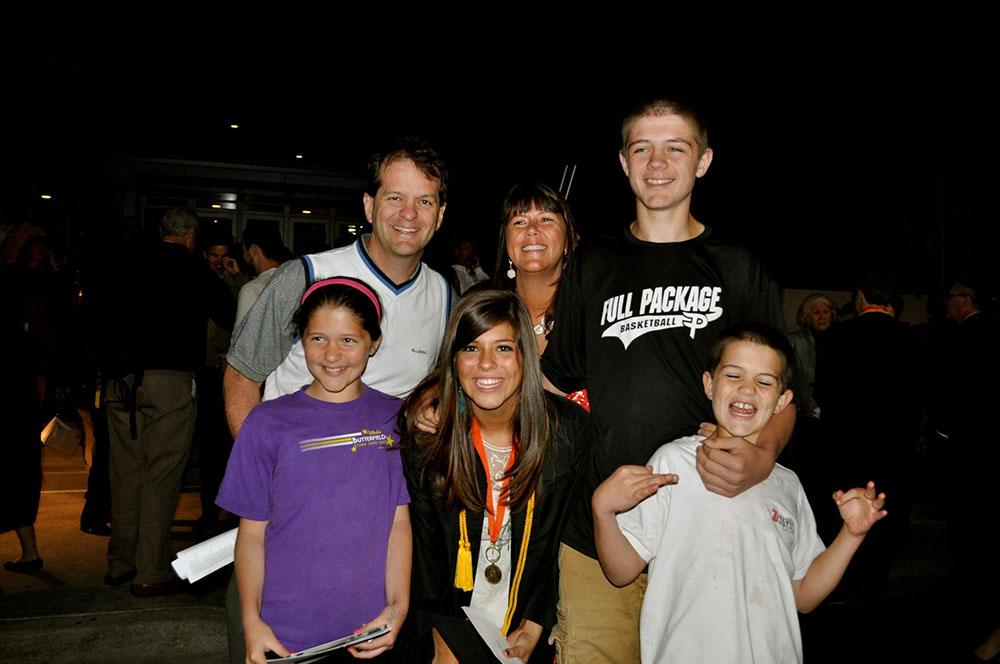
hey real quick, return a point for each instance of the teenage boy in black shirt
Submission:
(635, 317)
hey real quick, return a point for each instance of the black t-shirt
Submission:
(635, 323)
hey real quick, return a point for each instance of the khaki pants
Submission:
(597, 621)
(146, 472)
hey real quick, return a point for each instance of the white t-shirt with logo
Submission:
(721, 569)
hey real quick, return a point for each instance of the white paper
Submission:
(202, 559)
(490, 633)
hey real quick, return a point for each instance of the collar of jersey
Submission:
(379, 274)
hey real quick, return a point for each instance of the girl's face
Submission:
(337, 349)
(489, 371)
(536, 240)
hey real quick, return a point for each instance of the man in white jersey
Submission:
(404, 201)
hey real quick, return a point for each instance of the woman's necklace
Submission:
(540, 326)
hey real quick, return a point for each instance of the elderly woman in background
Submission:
(805, 453)
(815, 316)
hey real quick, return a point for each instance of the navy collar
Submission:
(379, 274)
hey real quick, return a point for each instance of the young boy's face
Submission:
(746, 389)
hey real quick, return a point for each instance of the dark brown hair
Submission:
(519, 200)
(423, 155)
(334, 296)
(762, 335)
(662, 107)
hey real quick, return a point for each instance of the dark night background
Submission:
(825, 170)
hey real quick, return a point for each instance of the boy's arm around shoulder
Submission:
(860, 509)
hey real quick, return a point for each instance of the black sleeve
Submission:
(563, 483)
(564, 361)
(763, 298)
(429, 550)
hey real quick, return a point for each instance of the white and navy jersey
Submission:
(415, 314)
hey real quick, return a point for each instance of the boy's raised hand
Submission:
(860, 508)
(627, 487)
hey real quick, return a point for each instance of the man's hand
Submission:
(860, 508)
(523, 640)
(627, 487)
(232, 267)
(730, 466)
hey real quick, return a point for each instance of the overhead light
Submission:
(307, 212)
(216, 206)
(234, 126)
(215, 221)
(298, 156)
(46, 197)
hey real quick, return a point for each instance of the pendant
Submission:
(493, 574)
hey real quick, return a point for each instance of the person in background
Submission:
(466, 266)
(815, 316)
(151, 403)
(264, 252)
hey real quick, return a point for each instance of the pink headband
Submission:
(343, 281)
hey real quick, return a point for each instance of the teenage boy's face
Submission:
(662, 160)
(746, 389)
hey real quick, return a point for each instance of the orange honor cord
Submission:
(495, 520)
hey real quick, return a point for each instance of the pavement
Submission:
(65, 613)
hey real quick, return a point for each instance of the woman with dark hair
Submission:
(537, 238)
(488, 489)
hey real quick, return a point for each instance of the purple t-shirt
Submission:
(328, 478)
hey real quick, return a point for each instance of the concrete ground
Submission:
(65, 613)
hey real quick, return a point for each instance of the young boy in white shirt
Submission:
(726, 575)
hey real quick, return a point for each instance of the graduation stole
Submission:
(463, 566)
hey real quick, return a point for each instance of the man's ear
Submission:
(440, 217)
(783, 401)
(706, 380)
(624, 162)
(369, 203)
(704, 162)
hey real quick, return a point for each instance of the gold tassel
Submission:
(463, 566)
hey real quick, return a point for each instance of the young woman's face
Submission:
(489, 371)
(337, 349)
(536, 240)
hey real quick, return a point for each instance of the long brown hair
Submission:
(447, 459)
